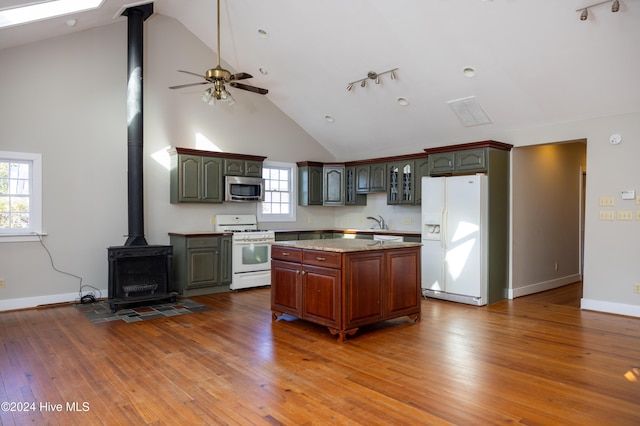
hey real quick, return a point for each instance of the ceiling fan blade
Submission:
(249, 88)
(240, 76)
(189, 85)
(192, 73)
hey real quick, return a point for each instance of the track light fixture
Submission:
(615, 6)
(372, 75)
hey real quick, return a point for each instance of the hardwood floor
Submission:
(526, 361)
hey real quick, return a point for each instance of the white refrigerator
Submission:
(454, 238)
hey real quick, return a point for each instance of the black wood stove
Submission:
(138, 272)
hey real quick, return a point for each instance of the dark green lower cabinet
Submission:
(201, 264)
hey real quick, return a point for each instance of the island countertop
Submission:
(344, 245)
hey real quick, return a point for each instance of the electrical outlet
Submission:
(212, 220)
(309, 219)
(637, 214)
(637, 199)
(636, 288)
(3, 283)
(556, 266)
(407, 221)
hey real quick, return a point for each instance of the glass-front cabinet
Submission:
(401, 182)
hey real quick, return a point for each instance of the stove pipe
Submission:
(136, 17)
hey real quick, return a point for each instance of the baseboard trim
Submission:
(543, 286)
(610, 307)
(40, 301)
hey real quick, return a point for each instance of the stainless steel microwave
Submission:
(244, 189)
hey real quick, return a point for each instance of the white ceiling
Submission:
(536, 63)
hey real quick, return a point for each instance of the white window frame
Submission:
(293, 195)
(35, 202)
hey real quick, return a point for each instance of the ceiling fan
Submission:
(218, 76)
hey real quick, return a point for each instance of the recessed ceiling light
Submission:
(263, 71)
(402, 101)
(469, 72)
(263, 33)
(329, 118)
(72, 22)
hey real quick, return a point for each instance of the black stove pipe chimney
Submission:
(136, 17)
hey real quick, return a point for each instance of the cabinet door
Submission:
(212, 186)
(189, 178)
(333, 186)
(309, 186)
(407, 182)
(233, 167)
(362, 179)
(321, 295)
(286, 291)
(393, 183)
(226, 253)
(352, 198)
(441, 163)
(253, 168)
(403, 293)
(203, 266)
(363, 288)
(471, 160)
(377, 177)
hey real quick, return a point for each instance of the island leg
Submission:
(342, 334)
(275, 315)
(416, 317)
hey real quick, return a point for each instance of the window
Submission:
(279, 203)
(20, 195)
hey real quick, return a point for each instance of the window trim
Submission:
(291, 217)
(33, 234)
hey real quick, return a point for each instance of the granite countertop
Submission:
(342, 245)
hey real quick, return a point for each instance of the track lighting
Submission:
(372, 75)
(615, 6)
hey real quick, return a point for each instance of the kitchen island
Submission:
(345, 284)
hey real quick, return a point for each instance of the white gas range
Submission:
(251, 263)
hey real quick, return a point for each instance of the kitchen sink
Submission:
(397, 238)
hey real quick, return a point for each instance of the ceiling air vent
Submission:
(469, 111)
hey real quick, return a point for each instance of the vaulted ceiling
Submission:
(536, 63)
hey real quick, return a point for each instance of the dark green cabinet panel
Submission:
(239, 167)
(333, 186)
(310, 185)
(371, 178)
(469, 160)
(195, 179)
(201, 265)
(351, 197)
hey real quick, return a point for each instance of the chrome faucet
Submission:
(379, 221)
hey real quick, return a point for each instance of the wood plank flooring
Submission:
(536, 360)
